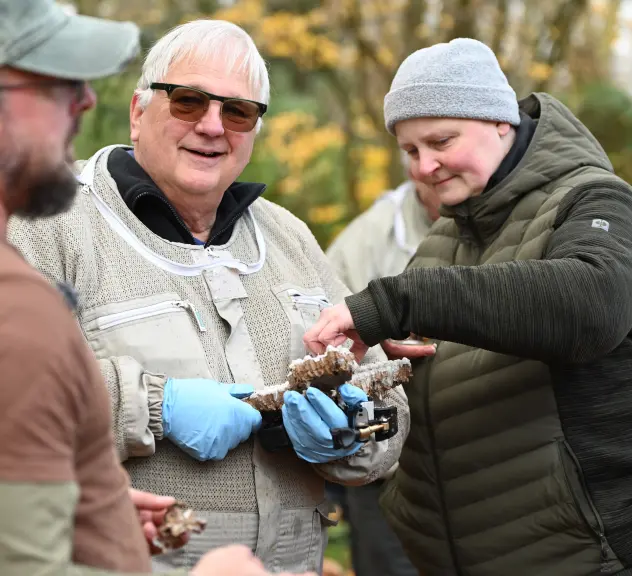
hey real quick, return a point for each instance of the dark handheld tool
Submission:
(272, 434)
(364, 421)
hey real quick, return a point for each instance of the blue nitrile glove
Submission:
(206, 419)
(309, 420)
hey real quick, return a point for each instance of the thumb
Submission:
(358, 348)
(147, 501)
(150, 531)
(352, 395)
(240, 391)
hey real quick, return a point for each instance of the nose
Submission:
(87, 100)
(211, 123)
(426, 165)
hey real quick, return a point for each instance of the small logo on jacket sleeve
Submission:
(599, 223)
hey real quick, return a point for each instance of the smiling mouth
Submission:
(205, 154)
(443, 181)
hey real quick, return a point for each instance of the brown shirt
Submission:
(55, 419)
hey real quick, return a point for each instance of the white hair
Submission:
(223, 41)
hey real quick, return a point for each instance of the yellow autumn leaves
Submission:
(286, 34)
(296, 142)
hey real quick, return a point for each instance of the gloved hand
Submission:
(205, 419)
(309, 419)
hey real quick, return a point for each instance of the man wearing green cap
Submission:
(65, 507)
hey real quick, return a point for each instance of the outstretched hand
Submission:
(151, 512)
(334, 327)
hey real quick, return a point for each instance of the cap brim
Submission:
(85, 48)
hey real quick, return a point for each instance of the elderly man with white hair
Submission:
(193, 292)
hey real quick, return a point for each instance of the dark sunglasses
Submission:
(190, 104)
(76, 86)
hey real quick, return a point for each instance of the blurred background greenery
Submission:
(323, 152)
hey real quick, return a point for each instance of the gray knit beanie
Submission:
(460, 79)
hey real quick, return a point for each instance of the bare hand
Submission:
(334, 326)
(151, 511)
(233, 560)
(394, 350)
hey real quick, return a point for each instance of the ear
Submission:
(135, 113)
(503, 128)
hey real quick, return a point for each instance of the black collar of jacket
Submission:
(476, 221)
(524, 134)
(148, 203)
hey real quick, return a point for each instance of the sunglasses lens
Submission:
(188, 105)
(239, 115)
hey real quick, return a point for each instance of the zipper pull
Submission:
(196, 316)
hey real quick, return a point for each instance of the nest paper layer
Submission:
(328, 371)
(178, 522)
(378, 378)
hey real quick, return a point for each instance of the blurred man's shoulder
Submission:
(28, 302)
(14, 269)
(374, 224)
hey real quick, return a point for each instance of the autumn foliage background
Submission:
(324, 152)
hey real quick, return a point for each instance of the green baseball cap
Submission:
(43, 37)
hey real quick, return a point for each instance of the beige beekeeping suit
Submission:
(150, 308)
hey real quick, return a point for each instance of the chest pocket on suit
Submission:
(161, 332)
(302, 306)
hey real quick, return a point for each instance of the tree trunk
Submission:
(343, 95)
(464, 21)
(564, 22)
(413, 17)
(500, 25)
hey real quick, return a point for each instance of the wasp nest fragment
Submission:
(378, 378)
(328, 371)
(179, 521)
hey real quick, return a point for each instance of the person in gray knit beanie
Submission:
(518, 458)
(458, 94)
(460, 79)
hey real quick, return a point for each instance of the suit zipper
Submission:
(129, 316)
(444, 507)
(300, 298)
(189, 307)
(232, 221)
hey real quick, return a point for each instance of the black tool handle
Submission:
(272, 434)
(344, 437)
